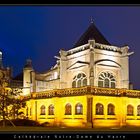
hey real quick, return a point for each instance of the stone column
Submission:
(91, 66)
(125, 67)
(122, 111)
(33, 82)
(89, 111)
(63, 69)
(36, 110)
(57, 111)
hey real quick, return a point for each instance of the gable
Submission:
(78, 64)
(107, 62)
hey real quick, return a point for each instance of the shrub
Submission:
(21, 122)
(45, 124)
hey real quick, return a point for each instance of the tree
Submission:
(10, 102)
(15, 108)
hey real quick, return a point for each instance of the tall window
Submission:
(68, 109)
(107, 80)
(111, 109)
(79, 109)
(130, 110)
(99, 109)
(138, 110)
(51, 110)
(42, 110)
(79, 80)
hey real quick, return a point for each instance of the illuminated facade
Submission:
(88, 86)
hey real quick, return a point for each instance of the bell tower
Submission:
(27, 77)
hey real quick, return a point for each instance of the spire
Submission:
(91, 20)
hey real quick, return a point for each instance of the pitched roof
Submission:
(92, 33)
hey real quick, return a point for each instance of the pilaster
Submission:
(89, 111)
(57, 113)
(91, 66)
(63, 69)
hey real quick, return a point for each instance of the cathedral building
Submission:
(88, 87)
(7, 79)
(5, 74)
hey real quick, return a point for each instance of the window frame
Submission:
(42, 110)
(110, 109)
(78, 107)
(138, 110)
(68, 109)
(99, 109)
(130, 110)
(51, 109)
(80, 77)
(110, 77)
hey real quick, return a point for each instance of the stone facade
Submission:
(91, 59)
(98, 107)
(88, 86)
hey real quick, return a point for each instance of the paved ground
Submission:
(65, 129)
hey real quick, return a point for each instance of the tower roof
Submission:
(91, 33)
(28, 63)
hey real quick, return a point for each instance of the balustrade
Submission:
(86, 91)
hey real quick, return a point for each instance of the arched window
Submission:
(79, 83)
(79, 109)
(51, 110)
(79, 80)
(99, 109)
(42, 110)
(74, 84)
(138, 110)
(68, 109)
(107, 80)
(130, 110)
(111, 109)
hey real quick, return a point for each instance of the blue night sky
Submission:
(39, 32)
